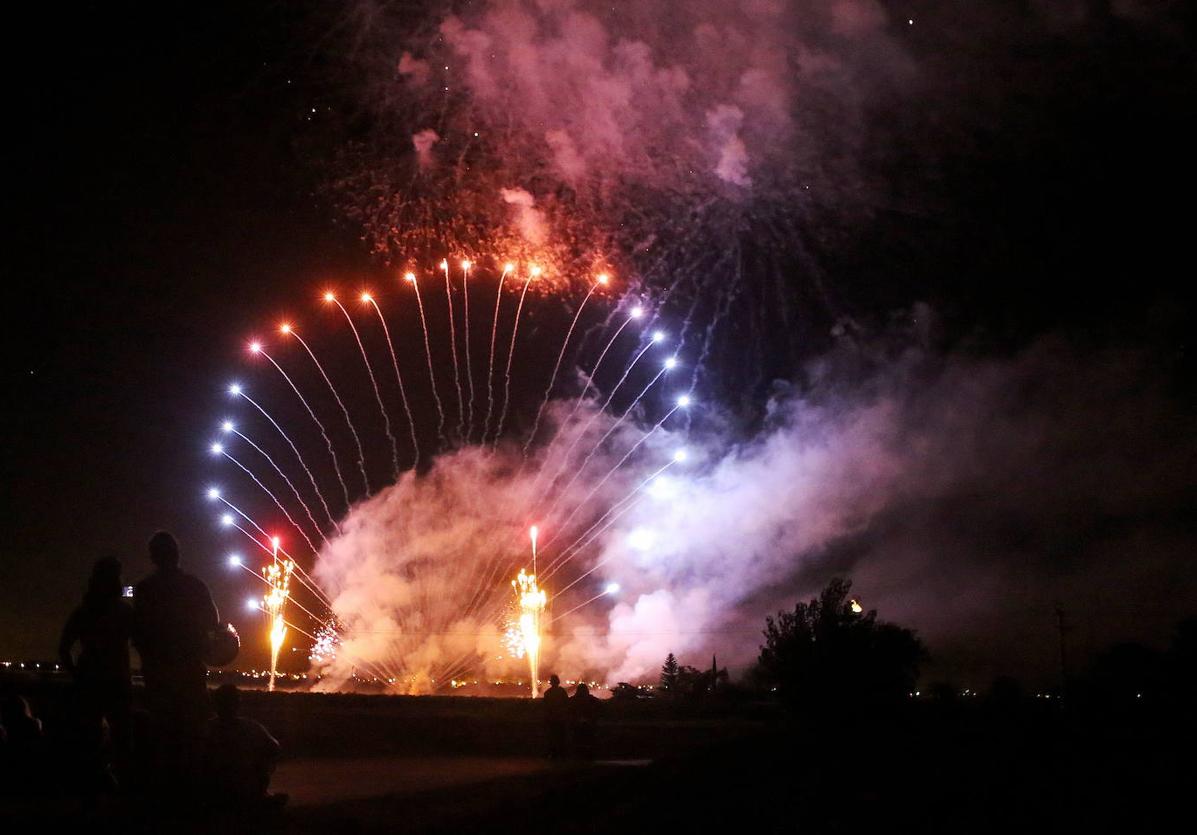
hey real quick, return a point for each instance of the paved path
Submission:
(317, 782)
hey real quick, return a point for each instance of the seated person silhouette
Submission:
(239, 753)
(22, 755)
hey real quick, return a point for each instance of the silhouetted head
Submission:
(554, 681)
(581, 689)
(14, 709)
(105, 581)
(226, 701)
(164, 550)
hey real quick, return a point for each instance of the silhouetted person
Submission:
(173, 615)
(102, 626)
(583, 714)
(23, 766)
(556, 714)
(239, 753)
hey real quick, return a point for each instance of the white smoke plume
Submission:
(946, 485)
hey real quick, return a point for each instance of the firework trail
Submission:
(682, 402)
(490, 363)
(228, 428)
(215, 495)
(361, 455)
(600, 281)
(386, 418)
(614, 511)
(668, 365)
(440, 409)
(612, 515)
(656, 337)
(237, 391)
(411, 423)
(323, 432)
(635, 314)
(532, 273)
(453, 349)
(465, 290)
(217, 449)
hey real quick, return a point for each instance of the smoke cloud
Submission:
(967, 496)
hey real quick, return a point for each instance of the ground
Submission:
(396, 764)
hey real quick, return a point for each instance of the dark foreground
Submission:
(388, 764)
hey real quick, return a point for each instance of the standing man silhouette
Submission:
(173, 615)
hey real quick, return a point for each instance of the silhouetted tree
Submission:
(669, 674)
(689, 680)
(824, 655)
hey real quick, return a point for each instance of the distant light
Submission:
(658, 336)
(535, 271)
(637, 312)
(276, 542)
(235, 389)
(329, 297)
(255, 347)
(284, 328)
(367, 298)
(226, 519)
(856, 607)
(684, 401)
(465, 265)
(235, 560)
(444, 263)
(679, 455)
(508, 267)
(216, 449)
(409, 277)
(603, 278)
(612, 588)
(251, 604)
(226, 426)
(213, 493)
(671, 363)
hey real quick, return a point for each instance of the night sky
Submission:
(164, 199)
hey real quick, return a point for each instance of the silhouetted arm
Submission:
(66, 643)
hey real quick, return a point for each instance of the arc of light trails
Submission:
(600, 281)
(633, 315)
(490, 365)
(386, 418)
(361, 455)
(670, 363)
(616, 511)
(465, 291)
(215, 494)
(453, 348)
(219, 450)
(238, 391)
(682, 402)
(440, 408)
(656, 337)
(229, 429)
(515, 329)
(411, 424)
(258, 349)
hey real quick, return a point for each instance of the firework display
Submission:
(448, 615)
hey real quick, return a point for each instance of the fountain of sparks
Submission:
(278, 576)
